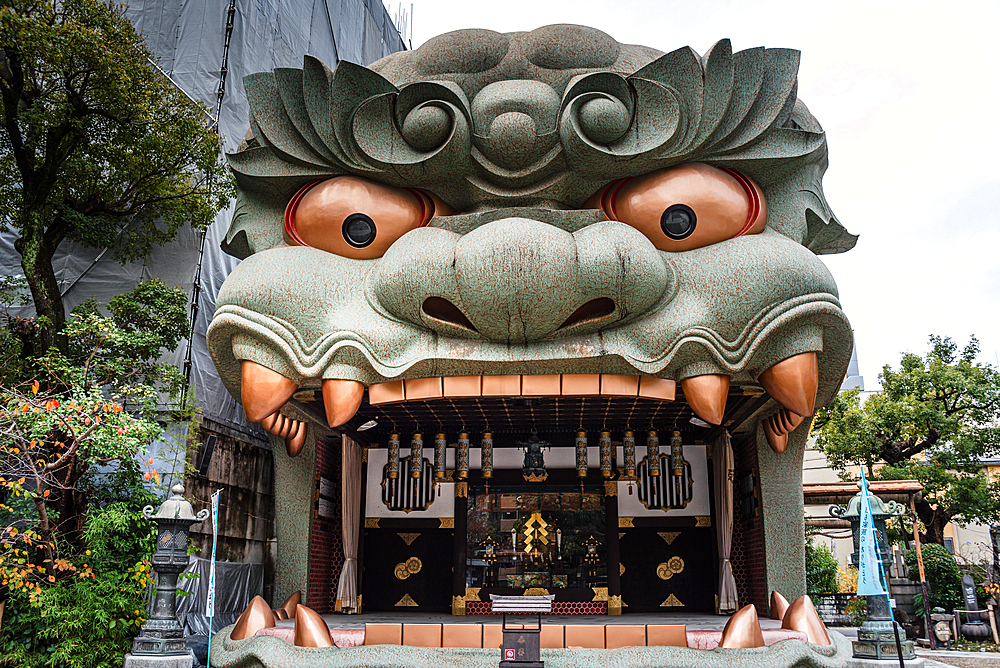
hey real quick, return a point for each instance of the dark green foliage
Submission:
(944, 579)
(89, 619)
(934, 419)
(821, 569)
(96, 145)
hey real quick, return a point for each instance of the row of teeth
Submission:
(742, 631)
(791, 382)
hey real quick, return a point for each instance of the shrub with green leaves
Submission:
(821, 569)
(87, 620)
(943, 578)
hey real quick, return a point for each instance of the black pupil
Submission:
(359, 230)
(678, 221)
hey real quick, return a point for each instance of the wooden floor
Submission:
(694, 622)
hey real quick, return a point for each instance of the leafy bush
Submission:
(821, 569)
(943, 578)
(86, 619)
(856, 611)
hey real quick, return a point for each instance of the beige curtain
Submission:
(722, 463)
(350, 520)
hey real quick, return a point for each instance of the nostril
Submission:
(593, 310)
(442, 309)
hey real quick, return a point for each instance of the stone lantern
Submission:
(876, 637)
(161, 641)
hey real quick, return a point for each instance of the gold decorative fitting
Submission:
(671, 602)
(670, 568)
(408, 538)
(534, 477)
(371, 522)
(457, 605)
(407, 602)
(752, 391)
(669, 536)
(610, 488)
(407, 568)
(615, 605)
(703, 521)
(626, 523)
(535, 591)
(600, 594)
(472, 594)
(621, 570)
(461, 490)
(447, 523)
(364, 455)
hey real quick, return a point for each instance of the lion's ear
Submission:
(826, 237)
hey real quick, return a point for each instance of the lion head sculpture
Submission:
(550, 202)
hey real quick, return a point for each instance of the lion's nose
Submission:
(518, 280)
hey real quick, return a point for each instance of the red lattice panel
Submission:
(326, 549)
(558, 608)
(747, 553)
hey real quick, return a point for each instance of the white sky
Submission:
(908, 95)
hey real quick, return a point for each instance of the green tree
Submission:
(821, 569)
(73, 546)
(96, 145)
(943, 577)
(933, 420)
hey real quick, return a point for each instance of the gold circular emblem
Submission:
(675, 564)
(670, 568)
(413, 565)
(400, 572)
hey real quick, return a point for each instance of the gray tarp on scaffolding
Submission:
(187, 38)
(235, 585)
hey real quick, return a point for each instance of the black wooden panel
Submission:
(643, 550)
(429, 587)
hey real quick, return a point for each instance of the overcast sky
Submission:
(908, 95)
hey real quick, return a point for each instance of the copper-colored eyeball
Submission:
(355, 217)
(685, 207)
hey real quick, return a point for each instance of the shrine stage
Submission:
(693, 622)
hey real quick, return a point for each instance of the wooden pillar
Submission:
(459, 550)
(613, 553)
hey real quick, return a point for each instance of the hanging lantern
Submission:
(416, 455)
(581, 454)
(653, 453)
(676, 455)
(440, 449)
(487, 455)
(628, 448)
(462, 458)
(604, 442)
(393, 456)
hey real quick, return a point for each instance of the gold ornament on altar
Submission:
(670, 568)
(535, 530)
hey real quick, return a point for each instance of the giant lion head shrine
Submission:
(534, 314)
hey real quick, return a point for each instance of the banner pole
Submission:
(881, 569)
(210, 604)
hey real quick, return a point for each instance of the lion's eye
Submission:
(355, 217)
(686, 207)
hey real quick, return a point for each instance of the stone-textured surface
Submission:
(294, 487)
(781, 506)
(180, 661)
(514, 133)
(279, 654)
